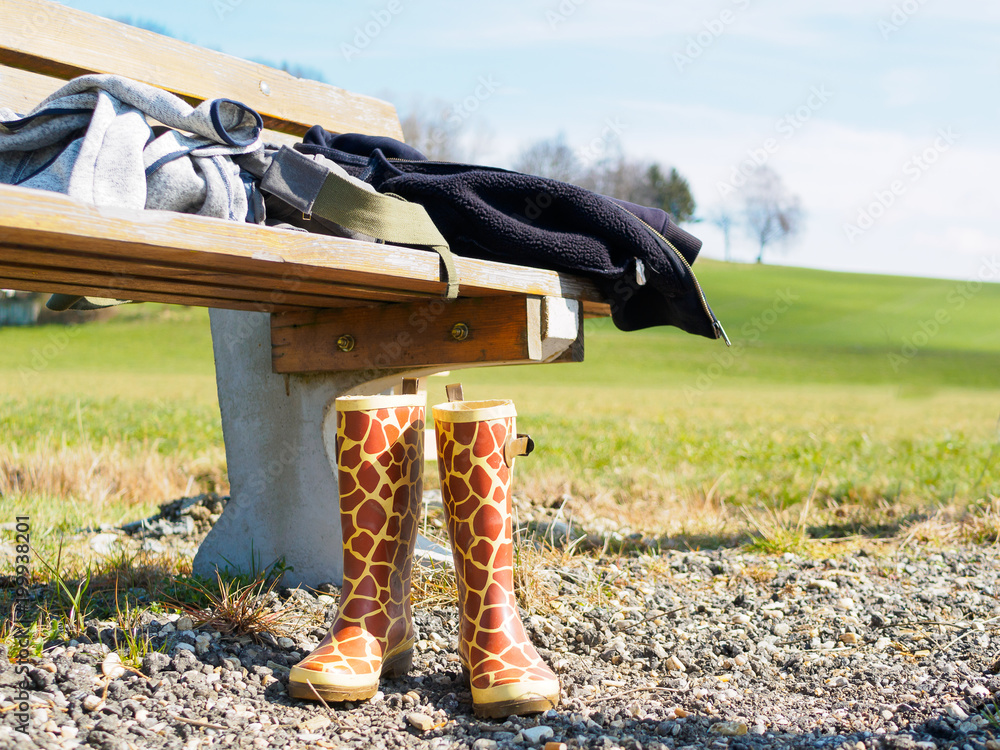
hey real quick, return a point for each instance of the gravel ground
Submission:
(713, 649)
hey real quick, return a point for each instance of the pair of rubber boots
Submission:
(379, 446)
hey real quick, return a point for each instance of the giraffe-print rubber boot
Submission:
(380, 451)
(477, 443)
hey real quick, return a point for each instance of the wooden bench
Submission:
(297, 319)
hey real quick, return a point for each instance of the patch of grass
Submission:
(77, 590)
(434, 586)
(991, 713)
(773, 533)
(136, 643)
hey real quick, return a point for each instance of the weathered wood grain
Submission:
(51, 39)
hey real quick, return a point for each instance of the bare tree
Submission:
(772, 213)
(434, 131)
(614, 175)
(724, 216)
(618, 177)
(551, 158)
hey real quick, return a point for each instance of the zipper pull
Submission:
(720, 332)
(640, 272)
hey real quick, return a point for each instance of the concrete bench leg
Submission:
(284, 499)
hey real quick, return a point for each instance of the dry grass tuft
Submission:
(980, 524)
(433, 586)
(237, 608)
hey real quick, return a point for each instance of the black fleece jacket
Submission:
(638, 257)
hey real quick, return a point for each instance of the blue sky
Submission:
(880, 114)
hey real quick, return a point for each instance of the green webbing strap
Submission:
(331, 194)
(385, 216)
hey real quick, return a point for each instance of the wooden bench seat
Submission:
(297, 319)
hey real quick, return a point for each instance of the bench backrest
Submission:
(43, 44)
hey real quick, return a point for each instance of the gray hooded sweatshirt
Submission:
(92, 140)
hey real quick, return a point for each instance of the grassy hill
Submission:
(843, 388)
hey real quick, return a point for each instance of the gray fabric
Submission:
(91, 139)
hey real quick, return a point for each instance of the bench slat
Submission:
(38, 219)
(263, 287)
(135, 286)
(49, 38)
(49, 287)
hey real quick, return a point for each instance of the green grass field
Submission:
(853, 391)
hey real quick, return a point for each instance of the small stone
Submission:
(955, 711)
(673, 664)
(280, 670)
(782, 629)
(232, 663)
(485, 744)
(286, 643)
(823, 584)
(555, 746)
(758, 729)
(104, 544)
(91, 703)
(154, 662)
(202, 644)
(112, 666)
(537, 735)
(849, 638)
(729, 728)
(839, 682)
(741, 619)
(992, 744)
(184, 623)
(315, 723)
(420, 721)
(184, 647)
(883, 643)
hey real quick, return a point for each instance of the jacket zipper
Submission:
(720, 332)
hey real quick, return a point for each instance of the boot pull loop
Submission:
(411, 386)
(522, 445)
(454, 392)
